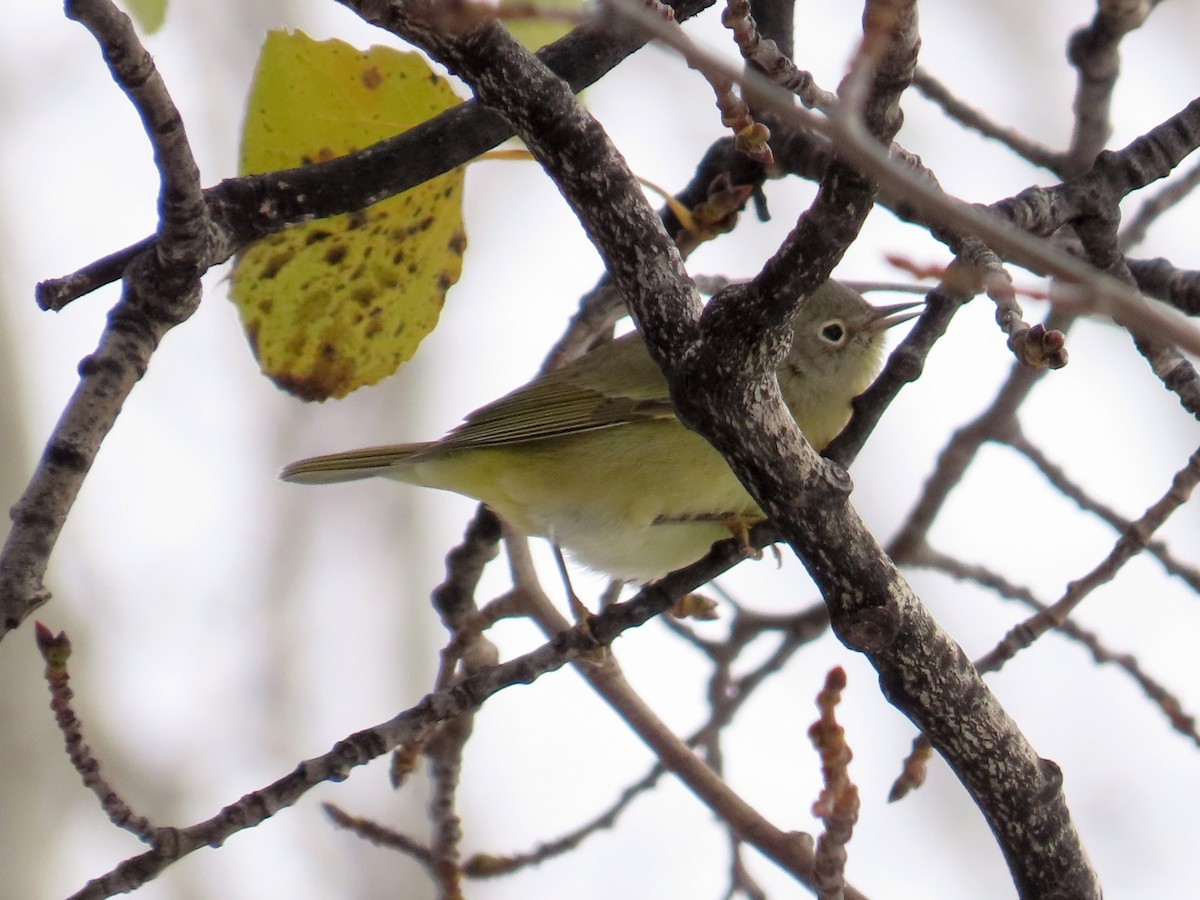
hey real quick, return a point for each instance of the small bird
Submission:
(592, 456)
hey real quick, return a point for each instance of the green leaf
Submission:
(148, 14)
(332, 305)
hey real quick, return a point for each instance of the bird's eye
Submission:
(833, 331)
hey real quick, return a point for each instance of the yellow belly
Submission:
(634, 501)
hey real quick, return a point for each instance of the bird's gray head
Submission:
(837, 349)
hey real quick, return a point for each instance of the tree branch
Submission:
(246, 209)
(872, 608)
(160, 291)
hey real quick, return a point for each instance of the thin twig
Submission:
(445, 753)
(788, 850)
(55, 650)
(1132, 541)
(1161, 696)
(958, 455)
(1057, 476)
(1175, 191)
(838, 804)
(381, 836)
(1099, 293)
(766, 55)
(486, 865)
(970, 117)
(414, 725)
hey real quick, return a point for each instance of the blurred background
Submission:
(227, 625)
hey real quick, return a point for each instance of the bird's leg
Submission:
(579, 612)
(739, 526)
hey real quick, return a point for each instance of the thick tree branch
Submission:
(921, 200)
(575, 151)
(872, 607)
(903, 367)
(196, 232)
(246, 209)
(715, 359)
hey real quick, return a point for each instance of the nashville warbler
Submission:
(592, 456)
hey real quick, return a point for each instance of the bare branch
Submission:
(838, 804)
(953, 219)
(414, 725)
(970, 117)
(159, 293)
(1159, 279)
(790, 850)
(1132, 541)
(1163, 698)
(769, 58)
(1061, 481)
(1153, 208)
(995, 423)
(486, 865)
(903, 367)
(380, 835)
(1093, 50)
(870, 604)
(246, 209)
(55, 650)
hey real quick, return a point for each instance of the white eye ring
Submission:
(833, 332)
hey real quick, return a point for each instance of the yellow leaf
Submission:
(149, 14)
(332, 305)
(536, 31)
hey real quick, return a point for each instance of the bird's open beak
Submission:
(886, 317)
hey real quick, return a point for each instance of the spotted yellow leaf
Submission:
(332, 305)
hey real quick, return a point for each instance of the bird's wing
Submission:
(615, 384)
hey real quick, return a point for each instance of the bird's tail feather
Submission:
(350, 466)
